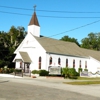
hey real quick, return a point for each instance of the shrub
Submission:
(80, 70)
(65, 72)
(43, 73)
(85, 69)
(6, 70)
(1, 70)
(73, 77)
(35, 72)
(18, 70)
(11, 70)
(70, 73)
(2, 63)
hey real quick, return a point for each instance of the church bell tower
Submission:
(34, 27)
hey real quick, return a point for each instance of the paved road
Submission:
(44, 89)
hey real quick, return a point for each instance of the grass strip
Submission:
(83, 82)
(86, 78)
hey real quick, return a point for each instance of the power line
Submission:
(15, 13)
(64, 17)
(65, 11)
(55, 17)
(66, 32)
(76, 28)
(15, 8)
(45, 16)
(49, 10)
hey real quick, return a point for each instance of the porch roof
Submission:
(25, 57)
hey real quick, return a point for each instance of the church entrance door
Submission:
(26, 68)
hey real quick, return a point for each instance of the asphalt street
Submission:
(45, 89)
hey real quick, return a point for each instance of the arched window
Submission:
(73, 63)
(85, 64)
(59, 61)
(20, 64)
(66, 62)
(40, 62)
(50, 61)
(80, 63)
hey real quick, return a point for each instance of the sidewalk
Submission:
(9, 75)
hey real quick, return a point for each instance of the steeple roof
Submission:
(34, 20)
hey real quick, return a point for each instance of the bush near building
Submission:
(40, 72)
(80, 70)
(70, 73)
(6, 70)
(35, 72)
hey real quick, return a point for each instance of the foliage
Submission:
(16, 35)
(67, 38)
(6, 70)
(70, 73)
(35, 72)
(18, 70)
(2, 63)
(9, 41)
(43, 73)
(65, 72)
(80, 70)
(92, 41)
(85, 69)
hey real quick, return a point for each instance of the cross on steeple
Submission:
(34, 20)
(34, 8)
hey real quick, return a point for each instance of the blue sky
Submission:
(52, 25)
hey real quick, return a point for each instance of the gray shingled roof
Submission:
(93, 53)
(66, 48)
(25, 56)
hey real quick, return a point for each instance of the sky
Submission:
(57, 18)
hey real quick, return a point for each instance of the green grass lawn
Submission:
(86, 78)
(84, 81)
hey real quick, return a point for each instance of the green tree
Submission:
(92, 41)
(21, 33)
(13, 34)
(67, 38)
(16, 35)
(9, 42)
(98, 41)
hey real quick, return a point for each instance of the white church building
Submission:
(37, 52)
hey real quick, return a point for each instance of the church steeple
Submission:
(34, 27)
(34, 20)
